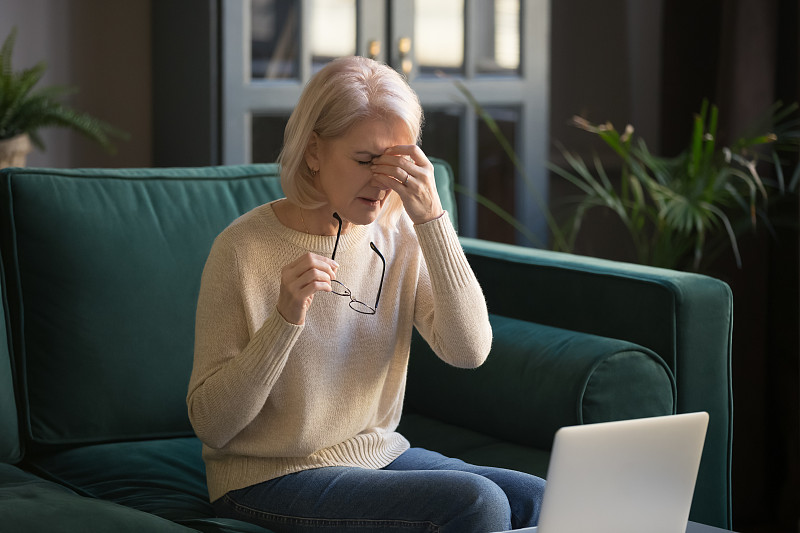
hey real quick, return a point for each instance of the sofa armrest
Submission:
(685, 318)
(10, 443)
(539, 378)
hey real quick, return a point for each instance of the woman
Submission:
(304, 323)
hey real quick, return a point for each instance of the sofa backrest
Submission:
(103, 269)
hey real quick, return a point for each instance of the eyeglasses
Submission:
(341, 290)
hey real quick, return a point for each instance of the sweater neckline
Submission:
(319, 244)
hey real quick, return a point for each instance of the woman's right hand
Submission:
(300, 280)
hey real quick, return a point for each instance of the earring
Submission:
(313, 173)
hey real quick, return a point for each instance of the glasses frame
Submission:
(345, 291)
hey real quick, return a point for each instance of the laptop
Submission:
(632, 476)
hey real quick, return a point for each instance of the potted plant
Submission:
(24, 110)
(681, 212)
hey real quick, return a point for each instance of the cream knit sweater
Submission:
(268, 398)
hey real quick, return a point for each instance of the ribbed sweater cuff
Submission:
(443, 254)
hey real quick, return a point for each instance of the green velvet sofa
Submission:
(100, 275)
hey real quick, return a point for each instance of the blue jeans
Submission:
(421, 491)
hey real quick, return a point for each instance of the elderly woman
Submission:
(304, 323)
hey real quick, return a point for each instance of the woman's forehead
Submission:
(373, 136)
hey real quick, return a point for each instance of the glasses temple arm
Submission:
(338, 234)
(383, 272)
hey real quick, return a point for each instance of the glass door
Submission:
(497, 50)
(270, 50)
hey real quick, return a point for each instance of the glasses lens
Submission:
(361, 307)
(339, 288)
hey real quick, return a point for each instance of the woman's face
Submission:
(344, 175)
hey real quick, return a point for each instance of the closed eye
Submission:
(364, 157)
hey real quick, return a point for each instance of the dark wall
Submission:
(186, 84)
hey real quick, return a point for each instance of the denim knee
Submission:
(481, 506)
(526, 501)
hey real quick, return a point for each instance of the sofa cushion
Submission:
(29, 504)
(472, 446)
(161, 477)
(554, 376)
(106, 269)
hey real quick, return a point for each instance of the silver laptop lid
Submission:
(631, 476)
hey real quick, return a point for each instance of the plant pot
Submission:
(14, 151)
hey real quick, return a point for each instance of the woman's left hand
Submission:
(407, 171)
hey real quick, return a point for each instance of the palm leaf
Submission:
(5, 53)
(729, 229)
(500, 212)
(795, 178)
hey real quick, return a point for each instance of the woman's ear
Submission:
(312, 151)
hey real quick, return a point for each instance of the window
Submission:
(498, 50)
